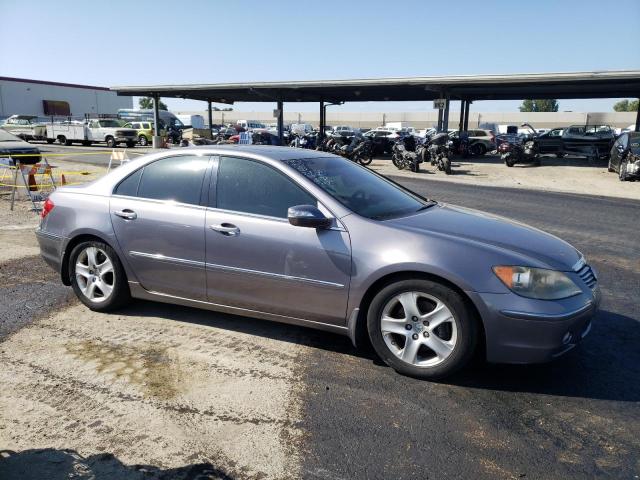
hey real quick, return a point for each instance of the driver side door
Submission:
(257, 261)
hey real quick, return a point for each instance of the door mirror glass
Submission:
(307, 216)
(620, 148)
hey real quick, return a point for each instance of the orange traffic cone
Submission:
(33, 186)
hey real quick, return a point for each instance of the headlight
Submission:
(537, 282)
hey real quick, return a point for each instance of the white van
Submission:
(250, 124)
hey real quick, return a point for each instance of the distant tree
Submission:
(218, 109)
(626, 106)
(146, 103)
(541, 105)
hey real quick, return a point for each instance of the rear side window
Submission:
(174, 178)
(252, 187)
(129, 186)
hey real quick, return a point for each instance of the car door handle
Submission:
(226, 229)
(126, 214)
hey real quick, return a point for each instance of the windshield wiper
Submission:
(424, 207)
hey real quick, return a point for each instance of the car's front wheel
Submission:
(142, 140)
(97, 276)
(422, 328)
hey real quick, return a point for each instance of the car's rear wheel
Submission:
(97, 276)
(422, 328)
(111, 142)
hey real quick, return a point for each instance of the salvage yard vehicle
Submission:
(144, 131)
(11, 145)
(311, 239)
(91, 131)
(625, 156)
(27, 127)
(480, 141)
(591, 141)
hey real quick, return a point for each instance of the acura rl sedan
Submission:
(312, 239)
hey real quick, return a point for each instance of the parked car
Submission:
(12, 145)
(144, 131)
(591, 141)
(93, 130)
(625, 156)
(323, 242)
(480, 141)
(383, 140)
(26, 127)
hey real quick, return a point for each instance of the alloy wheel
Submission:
(94, 274)
(419, 329)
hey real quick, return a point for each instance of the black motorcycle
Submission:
(406, 154)
(438, 151)
(356, 148)
(518, 151)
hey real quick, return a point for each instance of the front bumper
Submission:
(51, 248)
(520, 330)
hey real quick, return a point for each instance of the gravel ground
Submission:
(569, 174)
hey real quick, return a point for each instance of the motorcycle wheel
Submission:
(447, 166)
(508, 162)
(365, 160)
(397, 162)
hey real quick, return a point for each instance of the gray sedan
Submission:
(311, 239)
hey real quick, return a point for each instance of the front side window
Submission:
(252, 187)
(177, 179)
(359, 189)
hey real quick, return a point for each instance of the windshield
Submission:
(109, 123)
(7, 137)
(359, 189)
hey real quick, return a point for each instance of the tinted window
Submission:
(174, 178)
(358, 189)
(253, 187)
(129, 186)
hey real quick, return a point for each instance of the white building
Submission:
(42, 98)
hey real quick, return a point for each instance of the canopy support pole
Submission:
(156, 142)
(210, 112)
(280, 121)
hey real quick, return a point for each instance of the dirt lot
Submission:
(159, 391)
(569, 174)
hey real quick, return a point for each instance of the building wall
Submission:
(430, 118)
(25, 98)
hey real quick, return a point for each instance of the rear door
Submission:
(158, 216)
(550, 142)
(257, 260)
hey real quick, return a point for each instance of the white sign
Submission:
(439, 103)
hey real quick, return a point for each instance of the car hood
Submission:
(491, 230)
(13, 146)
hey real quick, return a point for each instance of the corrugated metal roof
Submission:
(597, 84)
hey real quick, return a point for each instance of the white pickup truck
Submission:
(91, 131)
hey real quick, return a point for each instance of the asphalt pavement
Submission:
(578, 417)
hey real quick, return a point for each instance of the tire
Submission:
(477, 149)
(455, 336)
(143, 141)
(365, 160)
(622, 173)
(98, 298)
(111, 142)
(560, 154)
(397, 162)
(537, 162)
(131, 144)
(63, 140)
(50, 141)
(447, 166)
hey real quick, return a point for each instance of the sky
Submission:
(135, 42)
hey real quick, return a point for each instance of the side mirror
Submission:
(620, 148)
(307, 216)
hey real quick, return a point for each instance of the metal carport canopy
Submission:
(600, 84)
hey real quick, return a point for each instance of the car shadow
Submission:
(54, 464)
(606, 366)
